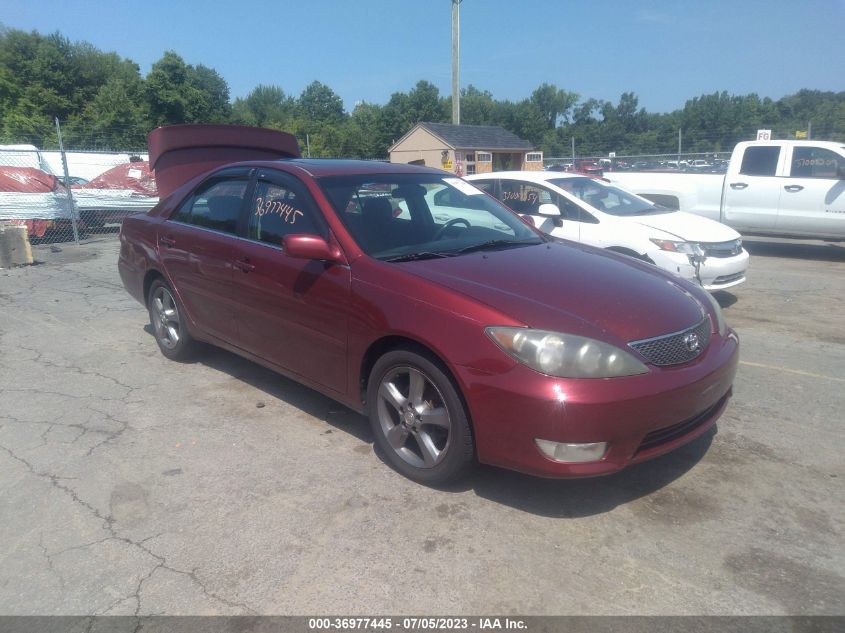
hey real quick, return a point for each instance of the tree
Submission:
(265, 106)
(210, 94)
(320, 104)
(179, 93)
(477, 107)
(554, 104)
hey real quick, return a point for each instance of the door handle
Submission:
(738, 185)
(243, 265)
(169, 242)
(793, 188)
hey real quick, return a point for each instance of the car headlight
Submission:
(721, 326)
(565, 355)
(687, 248)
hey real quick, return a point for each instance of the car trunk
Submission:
(178, 153)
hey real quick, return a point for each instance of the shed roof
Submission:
(476, 137)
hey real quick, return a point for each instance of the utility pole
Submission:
(456, 62)
(809, 130)
(679, 148)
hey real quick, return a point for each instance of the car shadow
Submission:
(556, 498)
(289, 391)
(822, 251)
(724, 298)
(575, 498)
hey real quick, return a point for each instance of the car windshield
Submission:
(396, 217)
(606, 198)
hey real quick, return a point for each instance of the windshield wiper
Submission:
(410, 257)
(494, 243)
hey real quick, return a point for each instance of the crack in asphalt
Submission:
(108, 525)
(94, 298)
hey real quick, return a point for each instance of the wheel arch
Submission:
(150, 276)
(628, 251)
(389, 343)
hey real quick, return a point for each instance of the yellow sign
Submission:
(447, 164)
(800, 133)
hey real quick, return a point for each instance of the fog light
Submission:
(572, 453)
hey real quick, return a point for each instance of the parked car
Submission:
(780, 188)
(587, 210)
(460, 342)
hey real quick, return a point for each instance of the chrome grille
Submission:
(675, 348)
(722, 249)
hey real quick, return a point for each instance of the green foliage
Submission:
(265, 106)
(104, 102)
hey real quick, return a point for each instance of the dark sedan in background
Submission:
(461, 339)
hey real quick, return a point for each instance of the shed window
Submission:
(534, 157)
(483, 157)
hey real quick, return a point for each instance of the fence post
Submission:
(679, 148)
(73, 216)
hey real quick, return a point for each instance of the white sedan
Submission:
(583, 209)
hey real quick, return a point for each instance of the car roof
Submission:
(319, 167)
(533, 176)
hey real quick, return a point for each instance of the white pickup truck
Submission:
(782, 188)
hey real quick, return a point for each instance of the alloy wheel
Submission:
(413, 417)
(165, 317)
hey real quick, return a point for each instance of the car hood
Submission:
(686, 226)
(564, 286)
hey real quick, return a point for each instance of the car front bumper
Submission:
(639, 417)
(715, 273)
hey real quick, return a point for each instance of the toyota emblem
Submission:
(692, 342)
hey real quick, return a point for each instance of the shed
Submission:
(465, 149)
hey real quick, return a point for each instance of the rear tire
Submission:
(418, 418)
(168, 322)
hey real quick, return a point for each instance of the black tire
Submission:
(425, 446)
(168, 323)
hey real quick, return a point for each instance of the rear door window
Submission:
(815, 162)
(216, 205)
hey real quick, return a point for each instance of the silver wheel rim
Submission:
(165, 317)
(413, 417)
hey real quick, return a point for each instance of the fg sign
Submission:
(764, 135)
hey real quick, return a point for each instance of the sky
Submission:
(665, 51)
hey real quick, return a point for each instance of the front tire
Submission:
(418, 418)
(168, 322)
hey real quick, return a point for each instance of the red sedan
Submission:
(467, 336)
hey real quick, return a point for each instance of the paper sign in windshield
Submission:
(463, 186)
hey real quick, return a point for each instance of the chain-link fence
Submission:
(87, 200)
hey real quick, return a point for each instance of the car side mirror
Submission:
(307, 246)
(549, 210)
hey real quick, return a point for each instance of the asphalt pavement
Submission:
(130, 484)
